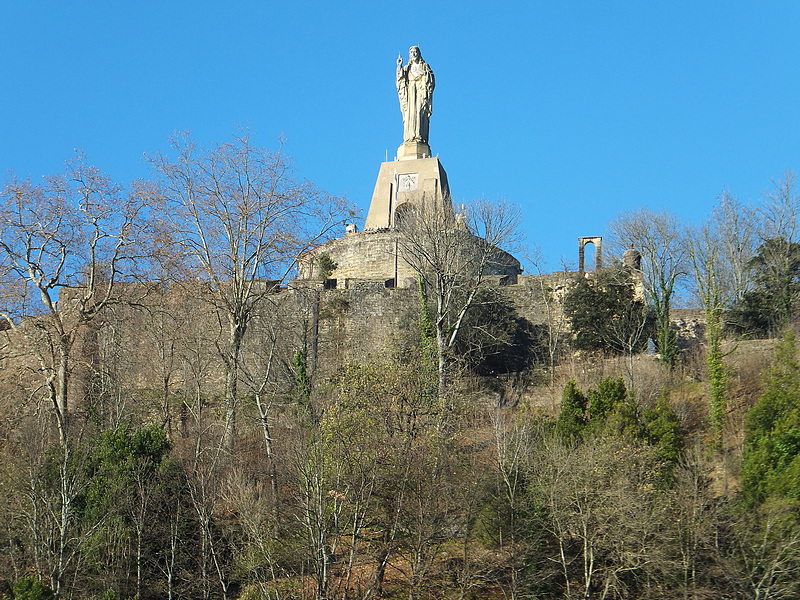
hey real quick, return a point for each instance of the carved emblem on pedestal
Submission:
(408, 182)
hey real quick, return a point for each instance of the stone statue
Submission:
(415, 85)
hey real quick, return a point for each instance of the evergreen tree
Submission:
(572, 418)
(31, 588)
(664, 432)
(772, 303)
(605, 314)
(771, 459)
(606, 397)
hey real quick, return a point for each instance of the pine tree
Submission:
(771, 459)
(572, 418)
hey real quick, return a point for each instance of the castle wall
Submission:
(378, 256)
(365, 320)
(352, 323)
(535, 297)
(361, 256)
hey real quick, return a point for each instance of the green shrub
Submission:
(31, 588)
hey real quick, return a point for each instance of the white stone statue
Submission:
(415, 85)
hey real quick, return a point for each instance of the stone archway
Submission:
(597, 242)
(404, 214)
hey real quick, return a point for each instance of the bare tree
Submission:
(696, 514)
(68, 243)
(240, 216)
(205, 484)
(780, 211)
(166, 318)
(764, 553)
(513, 447)
(659, 237)
(720, 251)
(608, 520)
(777, 256)
(734, 227)
(452, 256)
(267, 380)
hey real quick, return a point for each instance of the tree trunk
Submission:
(231, 385)
(272, 471)
(441, 351)
(60, 399)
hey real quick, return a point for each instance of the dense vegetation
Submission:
(185, 438)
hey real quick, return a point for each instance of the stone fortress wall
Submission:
(369, 255)
(360, 322)
(366, 318)
(378, 256)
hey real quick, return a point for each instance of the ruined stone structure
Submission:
(632, 259)
(597, 242)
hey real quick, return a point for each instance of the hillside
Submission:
(360, 480)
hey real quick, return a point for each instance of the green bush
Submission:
(31, 588)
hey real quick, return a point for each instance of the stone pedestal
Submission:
(413, 150)
(406, 182)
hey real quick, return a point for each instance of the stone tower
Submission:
(403, 183)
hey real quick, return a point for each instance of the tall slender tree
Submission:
(659, 237)
(239, 216)
(719, 252)
(452, 256)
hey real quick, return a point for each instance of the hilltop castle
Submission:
(413, 184)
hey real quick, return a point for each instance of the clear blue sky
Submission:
(574, 110)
